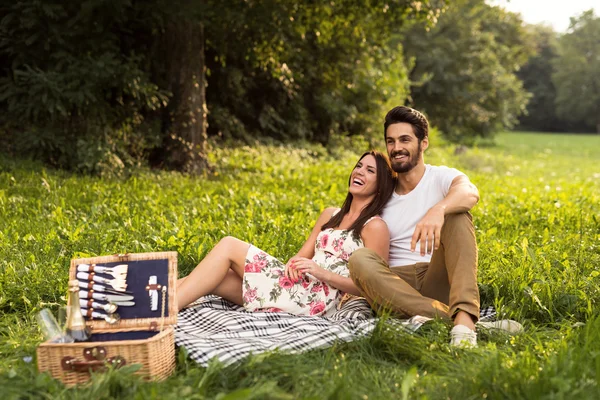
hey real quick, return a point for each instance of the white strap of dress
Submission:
(371, 219)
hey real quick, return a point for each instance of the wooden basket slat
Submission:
(156, 356)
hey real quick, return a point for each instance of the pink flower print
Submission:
(261, 255)
(250, 295)
(261, 264)
(256, 266)
(323, 241)
(316, 288)
(285, 282)
(337, 244)
(316, 307)
(268, 309)
(326, 289)
(344, 256)
(252, 267)
(305, 282)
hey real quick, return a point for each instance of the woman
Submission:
(315, 279)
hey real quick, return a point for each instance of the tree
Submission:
(536, 75)
(464, 69)
(577, 71)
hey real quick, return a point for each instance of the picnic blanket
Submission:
(216, 328)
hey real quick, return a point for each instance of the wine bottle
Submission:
(76, 327)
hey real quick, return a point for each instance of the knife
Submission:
(111, 298)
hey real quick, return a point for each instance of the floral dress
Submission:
(266, 288)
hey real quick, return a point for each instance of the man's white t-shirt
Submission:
(402, 213)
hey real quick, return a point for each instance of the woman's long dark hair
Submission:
(385, 188)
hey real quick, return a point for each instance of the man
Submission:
(433, 252)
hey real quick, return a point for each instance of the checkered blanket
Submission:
(215, 328)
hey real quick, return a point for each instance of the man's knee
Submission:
(363, 261)
(461, 222)
(460, 218)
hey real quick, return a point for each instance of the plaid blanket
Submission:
(215, 328)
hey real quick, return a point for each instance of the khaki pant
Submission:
(439, 288)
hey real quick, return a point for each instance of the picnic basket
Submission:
(141, 336)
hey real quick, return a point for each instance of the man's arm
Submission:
(462, 197)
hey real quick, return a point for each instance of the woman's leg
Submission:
(229, 288)
(212, 275)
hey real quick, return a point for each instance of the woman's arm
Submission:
(304, 265)
(308, 249)
(375, 236)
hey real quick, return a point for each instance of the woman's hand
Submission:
(291, 271)
(305, 265)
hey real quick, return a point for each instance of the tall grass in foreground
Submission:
(538, 225)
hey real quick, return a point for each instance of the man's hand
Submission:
(428, 231)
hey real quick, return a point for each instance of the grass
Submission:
(538, 226)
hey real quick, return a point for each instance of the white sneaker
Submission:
(462, 336)
(506, 325)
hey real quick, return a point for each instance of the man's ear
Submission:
(425, 143)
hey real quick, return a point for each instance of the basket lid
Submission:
(151, 285)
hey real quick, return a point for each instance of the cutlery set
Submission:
(103, 294)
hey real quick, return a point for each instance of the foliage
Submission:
(328, 67)
(536, 75)
(464, 69)
(577, 71)
(74, 88)
(538, 233)
(78, 77)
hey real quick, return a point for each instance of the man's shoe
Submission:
(462, 336)
(506, 325)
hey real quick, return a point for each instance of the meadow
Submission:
(538, 230)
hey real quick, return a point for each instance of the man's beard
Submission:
(403, 167)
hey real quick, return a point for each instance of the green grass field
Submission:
(538, 225)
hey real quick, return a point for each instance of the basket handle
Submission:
(72, 364)
(95, 360)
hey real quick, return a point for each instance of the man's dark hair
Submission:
(409, 115)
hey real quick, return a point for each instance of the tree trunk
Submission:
(186, 140)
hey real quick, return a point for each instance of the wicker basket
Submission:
(146, 340)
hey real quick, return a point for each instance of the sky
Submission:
(556, 13)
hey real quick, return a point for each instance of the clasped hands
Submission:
(296, 267)
(428, 231)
